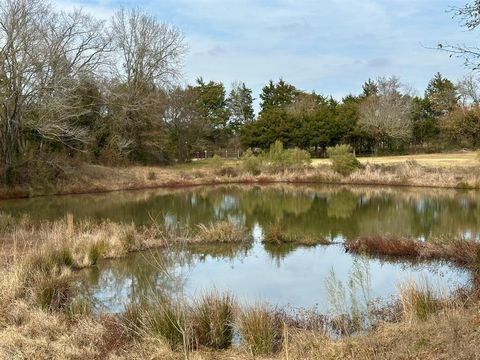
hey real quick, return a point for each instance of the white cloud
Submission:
(330, 46)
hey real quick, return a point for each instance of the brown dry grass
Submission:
(461, 251)
(86, 242)
(434, 170)
(384, 245)
(29, 331)
(465, 158)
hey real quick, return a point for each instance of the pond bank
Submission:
(86, 178)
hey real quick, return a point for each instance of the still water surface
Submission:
(284, 276)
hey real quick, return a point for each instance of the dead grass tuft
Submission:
(274, 234)
(384, 245)
(223, 232)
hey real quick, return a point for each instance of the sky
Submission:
(329, 46)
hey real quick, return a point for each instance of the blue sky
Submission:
(330, 46)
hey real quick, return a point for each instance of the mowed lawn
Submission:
(469, 158)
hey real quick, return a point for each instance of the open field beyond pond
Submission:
(461, 159)
(454, 170)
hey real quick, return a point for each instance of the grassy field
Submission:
(455, 159)
(468, 159)
(464, 158)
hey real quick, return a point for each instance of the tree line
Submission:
(109, 91)
(386, 118)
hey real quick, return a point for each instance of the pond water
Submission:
(297, 277)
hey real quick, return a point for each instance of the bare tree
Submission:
(151, 52)
(387, 114)
(42, 55)
(470, 17)
(183, 123)
(469, 90)
(149, 58)
(19, 37)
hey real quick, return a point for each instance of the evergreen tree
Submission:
(212, 109)
(240, 106)
(277, 95)
(442, 95)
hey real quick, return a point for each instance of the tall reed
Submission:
(260, 330)
(213, 320)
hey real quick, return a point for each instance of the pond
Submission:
(287, 276)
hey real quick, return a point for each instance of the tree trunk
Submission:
(10, 138)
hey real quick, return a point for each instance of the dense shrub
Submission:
(251, 163)
(461, 127)
(279, 159)
(216, 162)
(53, 293)
(228, 171)
(297, 158)
(343, 160)
(276, 159)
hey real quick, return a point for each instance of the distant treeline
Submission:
(385, 118)
(75, 87)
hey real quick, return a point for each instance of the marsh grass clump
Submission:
(213, 321)
(461, 251)
(128, 239)
(62, 257)
(95, 252)
(48, 261)
(167, 319)
(260, 330)
(275, 235)
(223, 232)
(343, 160)
(54, 293)
(384, 246)
(418, 300)
(80, 308)
(132, 321)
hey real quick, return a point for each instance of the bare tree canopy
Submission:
(49, 61)
(42, 56)
(470, 17)
(151, 52)
(387, 112)
(469, 90)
